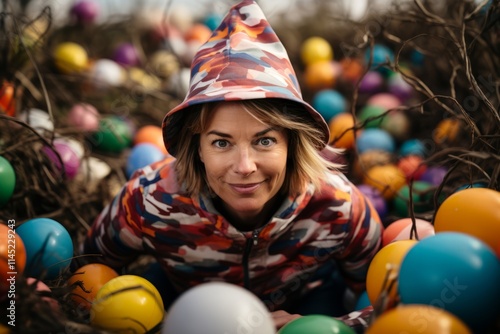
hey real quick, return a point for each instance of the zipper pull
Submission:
(255, 237)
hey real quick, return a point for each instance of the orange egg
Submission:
(388, 179)
(321, 75)
(12, 256)
(413, 166)
(447, 131)
(352, 69)
(342, 131)
(198, 32)
(87, 281)
(150, 134)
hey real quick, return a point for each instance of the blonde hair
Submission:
(305, 162)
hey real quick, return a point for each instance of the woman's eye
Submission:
(266, 141)
(220, 143)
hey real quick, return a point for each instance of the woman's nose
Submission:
(245, 162)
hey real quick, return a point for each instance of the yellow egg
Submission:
(315, 49)
(70, 58)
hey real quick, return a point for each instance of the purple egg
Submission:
(375, 197)
(85, 11)
(434, 175)
(399, 87)
(126, 55)
(371, 83)
(69, 157)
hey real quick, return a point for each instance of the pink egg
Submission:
(84, 117)
(401, 230)
(385, 100)
(69, 157)
(42, 288)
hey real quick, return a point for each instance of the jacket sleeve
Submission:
(115, 237)
(362, 242)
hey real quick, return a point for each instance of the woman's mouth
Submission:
(244, 188)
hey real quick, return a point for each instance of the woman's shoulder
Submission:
(158, 176)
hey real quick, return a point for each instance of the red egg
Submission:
(412, 166)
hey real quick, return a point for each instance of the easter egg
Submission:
(12, 257)
(406, 229)
(139, 77)
(375, 197)
(237, 310)
(7, 98)
(38, 119)
(163, 64)
(378, 57)
(388, 179)
(417, 319)
(113, 136)
(371, 116)
(447, 131)
(212, 21)
(316, 324)
(371, 83)
(315, 49)
(352, 69)
(320, 75)
(366, 160)
(106, 73)
(474, 211)
(412, 166)
(381, 279)
(329, 103)
(126, 54)
(434, 175)
(85, 11)
(422, 194)
(342, 132)
(399, 87)
(87, 281)
(127, 304)
(412, 147)
(43, 290)
(84, 117)
(151, 134)
(456, 272)
(198, 32)
(141, 156)
(7, 180)
(49, 247)
(70, 57)
(384, 100)
(397, 124)
(64, 157)
(375, 139)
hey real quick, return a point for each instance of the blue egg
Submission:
(329, 103)
(49, 247)
(141, 156)
(381, 55)
(212, 21)
(456, 272)
(375, 139)
(363, 301)
(412, 147)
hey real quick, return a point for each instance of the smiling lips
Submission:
(244, 188)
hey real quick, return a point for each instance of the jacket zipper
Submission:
(250, 242)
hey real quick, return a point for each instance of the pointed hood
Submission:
(243, 60)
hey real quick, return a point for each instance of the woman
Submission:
(246, 196)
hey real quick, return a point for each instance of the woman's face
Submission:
(245, 160)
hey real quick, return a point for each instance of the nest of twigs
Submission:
(460, 41)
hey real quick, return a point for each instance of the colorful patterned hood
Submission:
(243, 59)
